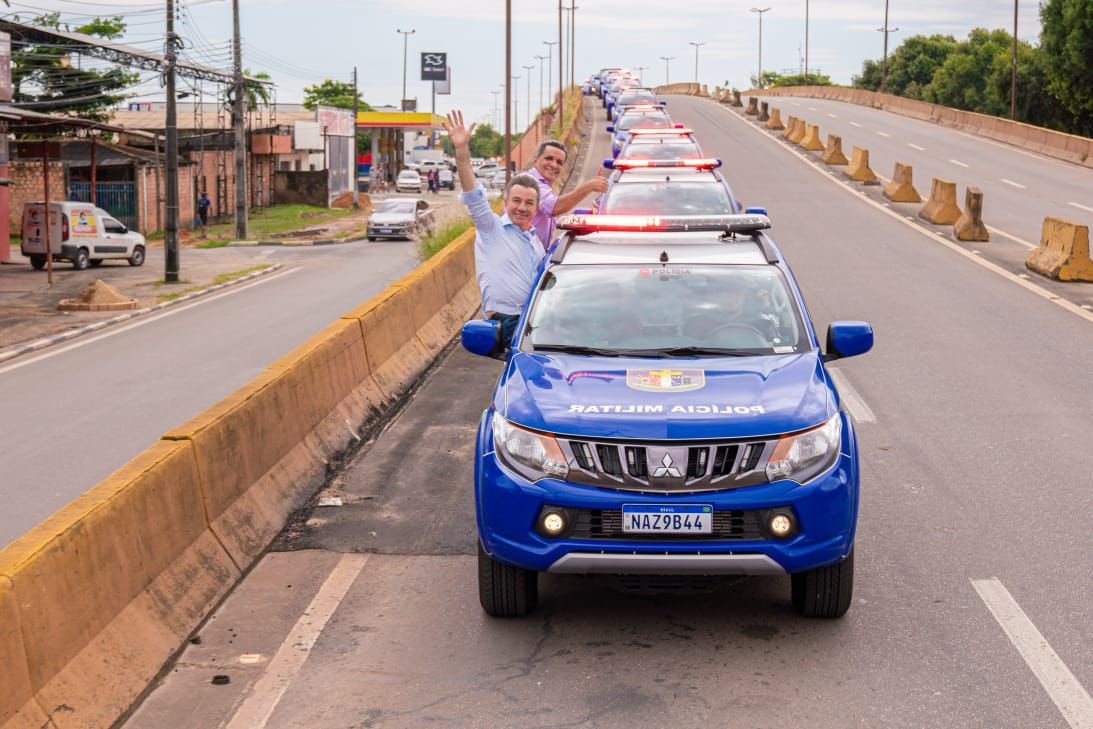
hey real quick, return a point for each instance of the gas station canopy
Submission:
(408, 120)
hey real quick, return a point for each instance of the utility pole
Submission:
(405, 42)
(806, 40)
(572, 42)
(550, 69)
(561, 73)
(239, 111)
(170, 230)
(666, 59)
(508, 92)
(884, 63)
(515, 103)
(1013, 71)
(541, 59)
(356, 110)
(529, 69)
(760, 11)
(495, 119)
(696, 45)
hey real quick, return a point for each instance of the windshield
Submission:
(668, 197)
(636, 97)
(648, 119)
(679, 148)
(396, 206)
(653, 311)
(409, 174)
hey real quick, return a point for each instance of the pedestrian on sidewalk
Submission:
(506, 252)
(203, 204)
(432, 181)
(548, 164)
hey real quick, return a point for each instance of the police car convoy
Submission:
(665, 407)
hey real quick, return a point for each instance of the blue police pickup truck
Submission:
(665, 410)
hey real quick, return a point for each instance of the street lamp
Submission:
(550, 61)
(515, 103)
(494, 118)
(640, 69)
(696, 45)
(760, 11)
(884, 63)
(405, 40)
(666, 59)
(573, 8)
(541, 59)
(529, 70)
(806, 41)
(1013, 66)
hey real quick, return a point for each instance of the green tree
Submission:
(962, 81)
(333, 93)
(798, 79)
(49, 77)
(256, 94)
(1066, 42)
(911, 66)
(1035, 103)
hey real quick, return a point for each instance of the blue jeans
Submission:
(508, 327)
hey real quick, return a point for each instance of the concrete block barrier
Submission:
(941, 207)
(811, 140)
(764, 113)
(858, 170)
(969, 226)
(901, 188)
(1063, 253)
(753, 106)
(790, 128)
(833, 152)
(775, 121)
(736, 99)
(798, 131)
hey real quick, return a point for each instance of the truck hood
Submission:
(682, 398)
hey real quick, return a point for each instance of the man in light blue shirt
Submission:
(507, 252)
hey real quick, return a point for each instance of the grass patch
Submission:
(222, 278)
(264, 222)
(435, 242)
(214, 243)
(573, 100)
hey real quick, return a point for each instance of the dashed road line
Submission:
(915, 146)
(1070, 697)
(1012, 237)
(256, 710)
(833, 116)
(883, 134)
(1018, 185)
(855, 124)
(812, 108)
(1081, 207)
(958, 163)
(853, 400)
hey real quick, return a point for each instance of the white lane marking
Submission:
(853, 400)
(915, 146)
(1081, 207)
(1013, 238)
(256, 710)
(142, 321)
(958, 163)
(855, 124)
(812, 108)
(1070, 697)
(884, 134)
(1022, 280)
(833, 116)
(1018, 185)
(263, 254)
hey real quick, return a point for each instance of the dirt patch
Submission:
(100, 292)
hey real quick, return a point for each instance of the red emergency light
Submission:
(677, 131)
(746, 223)
(701, 164)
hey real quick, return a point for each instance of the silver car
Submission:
(400, 217)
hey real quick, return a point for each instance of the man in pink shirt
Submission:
(548, 164)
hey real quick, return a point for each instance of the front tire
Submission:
(505, 591)
(82, 260)
(37, 262)
(137, 258)
(824, 592)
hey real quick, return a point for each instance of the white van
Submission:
(78, 232)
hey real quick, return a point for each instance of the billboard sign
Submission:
(434, 66)
(444, 87)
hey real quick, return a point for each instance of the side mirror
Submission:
(664, 103)
(848, 339)
(609, 164)
(756, 211)
(482, 337)
(611, 128)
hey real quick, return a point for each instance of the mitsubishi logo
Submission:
(667, 468)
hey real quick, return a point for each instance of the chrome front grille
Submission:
(667, 466)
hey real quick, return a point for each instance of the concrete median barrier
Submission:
(798, 131)
(775, 121)
(901, 188)
(969, 226)
(1063, 253)
(941, 207)
(859, 170)
(811, 140)
(752, 110)
(736, 99)
(833, 152)
(764, 113)
(790, 128)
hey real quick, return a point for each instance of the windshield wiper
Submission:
(575, 349)
(692, 351)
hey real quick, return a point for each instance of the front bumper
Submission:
(508, 507)
(389, 231)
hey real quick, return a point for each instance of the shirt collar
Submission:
(534, 172)
(507, 221)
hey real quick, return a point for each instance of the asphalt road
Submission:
(974, 429)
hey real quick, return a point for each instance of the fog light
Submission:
(781, 524)
(553, 523)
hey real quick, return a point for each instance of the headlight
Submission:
(534, 455)
(804, 455)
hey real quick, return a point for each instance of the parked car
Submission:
(408, 181)
(78, 232)
(447, 179)
(487, 169)
(495, 181)
(400, 217)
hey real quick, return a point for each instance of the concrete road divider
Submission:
(764, 114)
(811, 140)
(798, 131)
(858, 170)
(969, 226)
(790, 128)
(833, 152)
(775, 121)
(901, 188)
(1063, 253)
(736, 99)
(941, 207)
(753, 106)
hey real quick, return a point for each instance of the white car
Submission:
(408, 181)
(487, 169)
(495, 181)
(399, 217)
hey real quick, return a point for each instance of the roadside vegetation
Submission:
(433, 243)
(266, 222)
(219, 279)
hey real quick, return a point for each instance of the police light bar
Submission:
(676, 131)
(581, 224)
(701, 164)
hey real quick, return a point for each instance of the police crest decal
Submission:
(666, 380)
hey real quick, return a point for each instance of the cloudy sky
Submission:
(299, 43)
